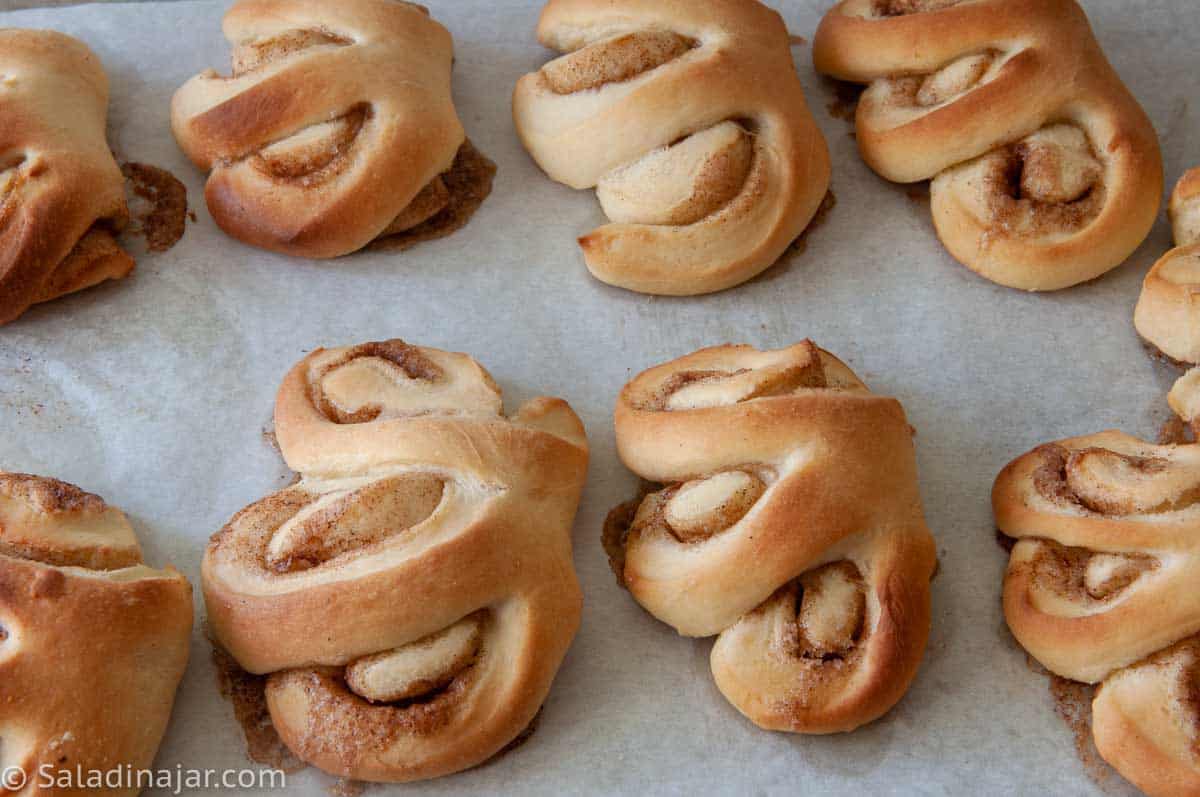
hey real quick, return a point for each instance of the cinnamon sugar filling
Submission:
(1049, 182)
(409, 359)
(900, 8)
(252, 55)
(614, 60)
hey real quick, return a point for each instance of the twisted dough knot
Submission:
(1168, 310)
(333, 128)
(790, 526)
(1046, 172)
(413, 595)
(93, 643)
(1101, 586)
(691, 124)
(62, 196)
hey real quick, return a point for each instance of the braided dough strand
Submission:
(93, 643)
(790, 527)
(1101, 587)
(1046, 171)
(62, 196)
(332, 129)
(413, 595)
(690, 122)
(1168, 310)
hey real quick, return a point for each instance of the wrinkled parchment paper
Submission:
(155, 392)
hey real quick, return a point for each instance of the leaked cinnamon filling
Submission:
(252, 55)
(614, 60)
(1086, 575)
(428, 202)
(353, 521)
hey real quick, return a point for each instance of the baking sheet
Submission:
(155, 392)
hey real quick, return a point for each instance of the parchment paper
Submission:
(154, 392)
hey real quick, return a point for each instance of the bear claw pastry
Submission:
(62, 196)
(689, 121)
(334, 129)
(1101, 587)
(429, 542)
(93, 643)
(1168, 310)
(789, 526)
(1046, 172)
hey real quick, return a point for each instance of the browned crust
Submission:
(748, 78)
(77, 643)
(1029, 93)
(67, 184)
(1032, 501)
(865, 479)
(510, 559)
(407, 136)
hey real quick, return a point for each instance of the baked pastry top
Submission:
(690, 122)
(62, 196)
(1046, 172)
(429, 542)
(1101, 587)
(1167, 315)
(335, 127)
(93, 643)
(789, 525)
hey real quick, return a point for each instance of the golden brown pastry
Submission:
(92, 642)
(1168, 311)
(335, 127)
(1046, 171)
(1101, 587)
(789, 525)
(689, 121)
(62, 196)
(413, 595)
